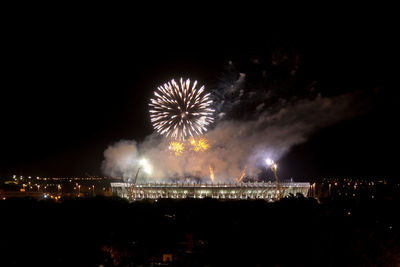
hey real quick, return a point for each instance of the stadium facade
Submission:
(254, 190)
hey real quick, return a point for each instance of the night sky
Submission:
(71, 89)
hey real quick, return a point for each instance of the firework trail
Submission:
(242, 175)
(181, 110)
(211, 173)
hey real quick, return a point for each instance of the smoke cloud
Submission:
(121, 159)
(260, 112)
(235, 144)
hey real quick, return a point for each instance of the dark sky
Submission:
(72, 88)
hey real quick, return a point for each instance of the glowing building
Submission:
(255, 190)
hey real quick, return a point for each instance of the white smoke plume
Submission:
(121, 159)
(235, 144)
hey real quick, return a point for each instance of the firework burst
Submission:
(177, 147)
(181, 110)
(199, 145)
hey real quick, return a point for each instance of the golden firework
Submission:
(211, 173)
(242, 175)
(177, 147)
(200, 145)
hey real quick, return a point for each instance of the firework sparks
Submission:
(177, 147)
(181, 110)
(200, 145)
(211, 173)
(242, 175)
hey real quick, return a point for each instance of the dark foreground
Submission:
(111, 232)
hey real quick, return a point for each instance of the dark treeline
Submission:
(296, 231)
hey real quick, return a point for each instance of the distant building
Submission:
(262, 190)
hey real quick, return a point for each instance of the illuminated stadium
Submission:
(255, 190)
(182, 112)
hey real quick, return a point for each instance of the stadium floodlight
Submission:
(273, 166)
(145, 165)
